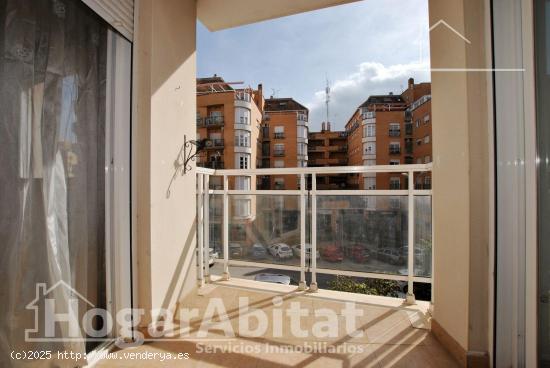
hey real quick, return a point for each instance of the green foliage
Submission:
(370, 286)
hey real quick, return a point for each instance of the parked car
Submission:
(332, 253)
(235, 250)
(273, 278)
(297, 251)
(280, 250)
(358, 254)
(392, 256)
(257, 251)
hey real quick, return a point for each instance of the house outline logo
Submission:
(41, 292)
(442, 22)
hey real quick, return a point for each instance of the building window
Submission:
(243, 160)
(394, 162)
(427, 182)
(395, 148)
(395, 130)
(279, 132)
(279, 163)
(242, 208)
(418, 123)
(370, 183)
(427, 139)
(427, 159)
(242, 182)
(369, 130)
(418, 142)
(427, 119)
(242, 116)
(279, 149)
(242, 138)
(279, 183)
(370, 148)
(395, 183)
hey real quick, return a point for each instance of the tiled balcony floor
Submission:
(394, 335)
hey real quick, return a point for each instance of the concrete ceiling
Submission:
(221, 14)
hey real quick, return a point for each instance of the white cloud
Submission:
(370, 79)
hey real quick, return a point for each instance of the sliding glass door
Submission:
(58, 154)
(542, 59)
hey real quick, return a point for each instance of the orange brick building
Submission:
(284, 140)
(391, 130)
(328, 148)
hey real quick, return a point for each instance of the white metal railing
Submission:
(314, 195)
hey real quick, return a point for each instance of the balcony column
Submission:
(225, 275)
(200, 230)
(206, 227)
(313, 285)
(410, 299)
(303, 211)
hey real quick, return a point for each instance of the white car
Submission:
(273, 278)
(280, 250)
(212, 256)
(296, 250)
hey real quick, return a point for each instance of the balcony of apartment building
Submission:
(214, 143)
(213, 121)
(398, 235)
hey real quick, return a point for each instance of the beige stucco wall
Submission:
(461, 149)
(165, 108)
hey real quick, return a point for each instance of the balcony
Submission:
(216, 165)
(379, 234)
(211, 121)
(214, 143)
(279, 135)
(279, 153)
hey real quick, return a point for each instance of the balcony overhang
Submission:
(222, 14)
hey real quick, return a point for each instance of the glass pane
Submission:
(542, 49)
(363, 233)
(264, 228)
(423, 236)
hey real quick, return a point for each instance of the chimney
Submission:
(323, 126)
(411, 83)
(328, 126)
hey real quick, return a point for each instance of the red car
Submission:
(359, 254)
(332, 253)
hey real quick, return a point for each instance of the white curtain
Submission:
(52, 159)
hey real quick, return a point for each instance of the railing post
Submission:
(225, 275)
(206, 227)
(200, 229)
(410, 299)
(303, 211)
(313, 285)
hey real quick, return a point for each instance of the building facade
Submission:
(284, 140)
(391, 130)
(328, 148)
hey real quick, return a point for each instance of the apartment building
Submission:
(391, 130)
(328, 148)
(284, 140)
(229, 121)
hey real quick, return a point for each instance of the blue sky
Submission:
(368, 47)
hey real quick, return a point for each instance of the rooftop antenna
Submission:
(274, 92)
(327, 97)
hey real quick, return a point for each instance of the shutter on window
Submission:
(118, 13)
